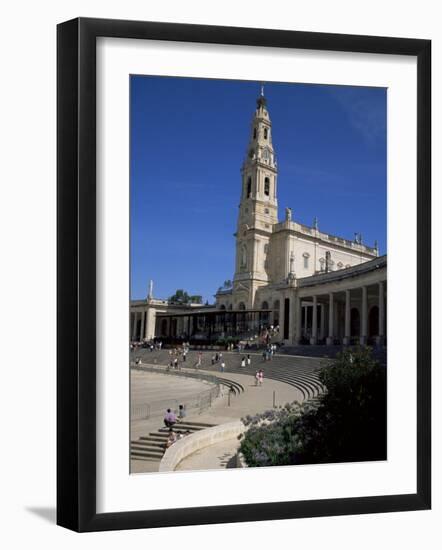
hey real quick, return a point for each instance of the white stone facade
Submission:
(269, 252)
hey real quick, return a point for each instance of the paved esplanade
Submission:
(151, 388)
(253, 400)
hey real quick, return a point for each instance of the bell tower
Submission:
(258, 209)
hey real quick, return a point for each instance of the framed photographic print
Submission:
(233, 344)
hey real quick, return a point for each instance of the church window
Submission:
(267, 187)
(254, 133)
(265, 133)
(249, 187)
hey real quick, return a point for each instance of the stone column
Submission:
(364, 317)
(298, 320)
(322, 331)
(134, 326)
(143, 314)
(347, 334)
(331, 318)
(381, 337)
(314, 338)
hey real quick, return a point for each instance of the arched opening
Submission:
(242, 306)
(267, 187)
(254, 133)
(373, 321)
(249, 187)
(265, 133)
(222, 308)
(355, 323)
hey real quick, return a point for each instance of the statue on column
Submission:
(288, 214)
(291, 276)
(292, 262)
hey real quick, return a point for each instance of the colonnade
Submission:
(342, 316)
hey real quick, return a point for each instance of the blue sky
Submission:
(188, 141)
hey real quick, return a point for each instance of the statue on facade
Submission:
(288, 214)
(292, 262)
(244, 256)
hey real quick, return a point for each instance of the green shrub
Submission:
(347, 423)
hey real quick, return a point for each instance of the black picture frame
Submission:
(76, 274)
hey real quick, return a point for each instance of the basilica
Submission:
(309, 286)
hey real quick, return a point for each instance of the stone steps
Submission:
(296, 371)
(153, 445)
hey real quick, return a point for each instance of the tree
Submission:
(347, 423)
(182, 297)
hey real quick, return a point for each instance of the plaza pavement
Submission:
(252, 400)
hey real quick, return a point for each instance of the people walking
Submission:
(243, 362)
(249, 360)
(223, 366)
(260, 377)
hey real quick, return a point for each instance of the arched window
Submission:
(254, 133)
(249, 187)
(265, 305)
(306, 256)
(265, 133)
(223, 307)
(242, 306)
(267, 187)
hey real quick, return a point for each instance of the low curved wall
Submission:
(199, 440)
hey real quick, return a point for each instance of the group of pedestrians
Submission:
(269, 352)
(177, 356)
(170, 419)
(246, 360)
